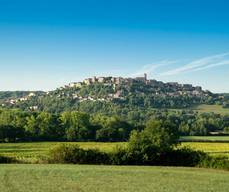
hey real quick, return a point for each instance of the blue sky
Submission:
(45, 44)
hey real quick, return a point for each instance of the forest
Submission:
(17, 125)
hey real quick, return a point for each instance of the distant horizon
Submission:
(46, 44)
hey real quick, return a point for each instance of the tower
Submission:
(145, 76)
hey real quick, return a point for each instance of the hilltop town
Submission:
(157, 87)
(138, 91)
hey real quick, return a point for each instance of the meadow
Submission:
(32, 152)
(206, 138)
(211, 108)
(219, 149)
(85, 178)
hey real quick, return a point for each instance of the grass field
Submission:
(204, 108)
(31, 152)
(212, 108)
(84, 178)
(206, 138)
(221, 149)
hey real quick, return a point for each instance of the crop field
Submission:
(88, 178)
(220, 149)
(31, 152)
(206, 138)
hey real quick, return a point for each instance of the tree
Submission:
(32, 127)
(146, 146)
(157, 134)
(9, 133)
(48, 125)
(113, 129)
(76, 125)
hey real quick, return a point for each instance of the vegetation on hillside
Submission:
(111, 97)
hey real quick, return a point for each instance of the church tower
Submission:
(145, 76)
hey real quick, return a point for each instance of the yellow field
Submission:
(211, 148)
(31, 152)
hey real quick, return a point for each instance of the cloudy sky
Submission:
(45, 44)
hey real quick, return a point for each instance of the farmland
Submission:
(30, 152)
(212, 148)
(69, 178)
(206, 138)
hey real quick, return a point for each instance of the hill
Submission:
(112, 94)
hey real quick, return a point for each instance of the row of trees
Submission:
(79, 126)
(69, 125)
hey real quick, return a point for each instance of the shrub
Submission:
(4, 159)
(119, 156)
(215, 162)
(73, 154)
(181, 157)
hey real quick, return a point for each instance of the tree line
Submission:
(16, 125)
(67, 126)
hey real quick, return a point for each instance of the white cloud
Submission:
(150, 68)
(226, 62)
(200, 64)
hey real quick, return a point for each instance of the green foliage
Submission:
(76, 155)
(152, 146)
(158, 134)
(144, 147)
(182, 157)
(76, 125)
(113, 129)
(9, 133)
(105, 97)
(226, 130)
(5, 160)
(215, 162)
(79, 126)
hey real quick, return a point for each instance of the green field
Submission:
(220, 149)
(206, 138)
(89, 178)
(204, 108)
(212, 108)
(85, 178)
(31, 152)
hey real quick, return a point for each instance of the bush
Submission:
(215, 162)
(73, 154)
(4, 159)
(145, 155)
(119, 156)
(181, 157)
(149, 155)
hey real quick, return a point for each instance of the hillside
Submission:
(106, 94)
